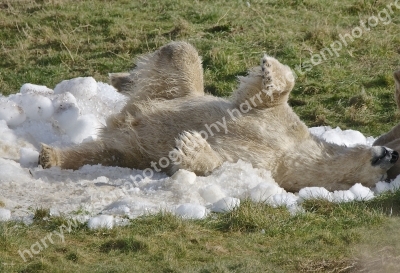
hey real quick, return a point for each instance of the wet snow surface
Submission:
(104, 196)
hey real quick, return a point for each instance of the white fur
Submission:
(168, 113)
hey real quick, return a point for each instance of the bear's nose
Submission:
(395, 157)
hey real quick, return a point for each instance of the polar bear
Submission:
(169, 123)
(392, 138)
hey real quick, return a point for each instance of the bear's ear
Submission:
(397, 92)
(120, 80)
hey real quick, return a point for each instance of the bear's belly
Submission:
(258, 137)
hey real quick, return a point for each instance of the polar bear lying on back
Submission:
(170, 124)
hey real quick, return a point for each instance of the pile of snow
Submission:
(5, 214)
(349, 138)
(356, 193)
(72, 113)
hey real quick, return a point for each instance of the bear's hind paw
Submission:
(48, 157)
(267, 81)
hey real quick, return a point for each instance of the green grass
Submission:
(44, 42)
(47, 41)
(253, 238)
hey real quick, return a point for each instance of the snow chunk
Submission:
(82, 87)
(361, 193)
(86, 127)
(315, 193)
(36, 106)
(225, 204)
(343, 196)
(184, 176)
(8, 142)
(5, 214)
(283, 200)
(101, 221)
(349, 138)
(35, 132)
(211, 193)
(319, 131)
(7, 135)
(370, 140)
(28, 157)
(382, 186)
(264, 191)
(191, 211)
(12, 172)
(66, 111)
(12, 113)
(395, 184)
(110, 96)
(236, 179)
(35, 89)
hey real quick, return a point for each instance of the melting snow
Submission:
(72, 113)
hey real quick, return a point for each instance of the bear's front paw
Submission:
(48, 157)
(196, 154)
(190, 145)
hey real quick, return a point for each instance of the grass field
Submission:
(46, 41)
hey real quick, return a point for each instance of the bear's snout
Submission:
(384, 157)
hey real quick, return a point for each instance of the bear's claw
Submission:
(190, 144)
(268, 86)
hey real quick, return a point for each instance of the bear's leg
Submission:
(266, 86)
(91, 153)
(195, 154)
(172, 71)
